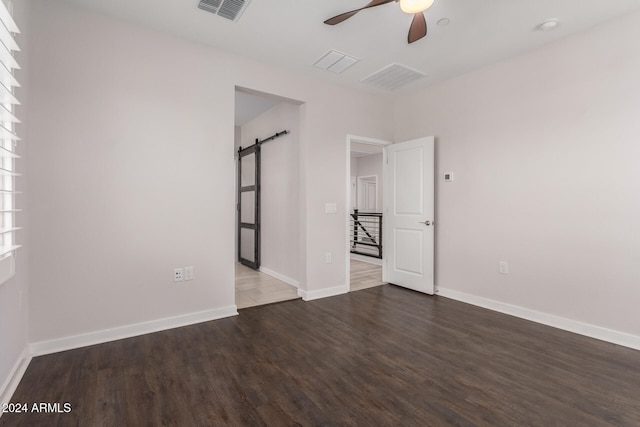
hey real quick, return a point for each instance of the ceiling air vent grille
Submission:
(393, 77)
(229, 9)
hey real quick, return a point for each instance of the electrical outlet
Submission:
(503, 267)
(189, 274)
(178, 274)
(327, 258)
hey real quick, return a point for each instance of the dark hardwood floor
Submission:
(378, 357)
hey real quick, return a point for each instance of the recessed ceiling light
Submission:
(444, 22)
(549, 25)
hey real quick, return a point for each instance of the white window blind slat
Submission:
(9, 230)
(6, 172)
(7, 98)
(7, 154)
(7, 115)
(6, 250)
(7, 39)
(7, 79)
(7, 59)
(7, 20)
(8, 136)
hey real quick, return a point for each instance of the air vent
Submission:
(393, 77)
(335, 61)
(229, 9)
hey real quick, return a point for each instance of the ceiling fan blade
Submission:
(344, 16)
(418, 27)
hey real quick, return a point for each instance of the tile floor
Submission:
(365, 275)
(256, 288)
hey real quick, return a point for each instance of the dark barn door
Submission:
(249, 206)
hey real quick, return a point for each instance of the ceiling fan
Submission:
(418, 27)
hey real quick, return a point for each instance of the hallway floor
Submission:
(365, 275)
(255, 288)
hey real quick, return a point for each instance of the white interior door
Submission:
(408, 214)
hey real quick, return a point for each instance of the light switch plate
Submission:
(189, 273)
(503, 267)
(330, 208)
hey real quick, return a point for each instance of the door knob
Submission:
(427, 222)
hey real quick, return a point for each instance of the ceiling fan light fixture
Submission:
(415, 6)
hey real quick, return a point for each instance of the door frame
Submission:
(362, 140)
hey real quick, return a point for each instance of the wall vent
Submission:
(393, 77)
(228, 9)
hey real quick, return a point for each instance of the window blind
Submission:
(8, 137)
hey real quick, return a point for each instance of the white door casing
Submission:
(408, 230)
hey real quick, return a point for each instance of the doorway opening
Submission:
(365, 221)
(266, 146)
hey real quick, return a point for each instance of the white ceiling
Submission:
(291, 33)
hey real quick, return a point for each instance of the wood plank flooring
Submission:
(383, 356)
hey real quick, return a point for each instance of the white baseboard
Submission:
(592, 331)
(281, 277)
(323, 293)
(128, 331)
(12, 381)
